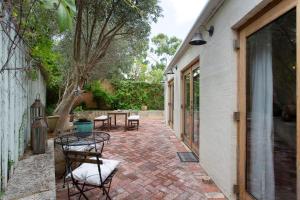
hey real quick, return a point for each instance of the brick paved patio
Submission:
(150, 168)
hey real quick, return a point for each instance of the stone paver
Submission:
(34, 177)
(150, 168)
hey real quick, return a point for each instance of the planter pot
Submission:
(84, 128)
(144, 108)
(52, 121)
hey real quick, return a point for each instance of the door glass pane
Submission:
(271, 111)
(187, 112)
(196, 109)
(172, 104)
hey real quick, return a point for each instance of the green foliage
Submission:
(127, 94)
(133, 95)
(140, 72)
(39, 30)
(156, 76)
(164, 48)
(65, 10)
(50, 60)
(165, 45)
(79, 108)
(99, 94)
(50, 109)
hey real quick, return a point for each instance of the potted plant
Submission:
(84, 127)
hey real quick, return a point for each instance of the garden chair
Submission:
(93, 172)
(106, 121)
(134, 120)
(68, 143)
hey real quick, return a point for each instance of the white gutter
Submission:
(209, 10)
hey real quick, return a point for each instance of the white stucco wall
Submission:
(17, 93)
(218, 94)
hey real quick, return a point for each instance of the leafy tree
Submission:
(120, 59)
(164, 47)
(97, 25)
(156, 75)
(138, 70)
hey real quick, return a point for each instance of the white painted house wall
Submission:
(218, 93)
(17, 93)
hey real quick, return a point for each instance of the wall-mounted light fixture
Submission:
(170, 71)
(198, 37)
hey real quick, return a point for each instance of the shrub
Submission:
(99, 94)
(128, 94)
(133, 95)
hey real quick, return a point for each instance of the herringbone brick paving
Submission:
(150, 168)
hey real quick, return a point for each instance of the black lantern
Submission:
(37, 109)
(39, 136)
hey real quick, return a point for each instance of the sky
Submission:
(178, 17)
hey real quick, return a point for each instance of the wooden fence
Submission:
(18, 91)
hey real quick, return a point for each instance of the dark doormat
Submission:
(187, 157)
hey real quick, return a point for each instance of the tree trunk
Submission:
(64, 107)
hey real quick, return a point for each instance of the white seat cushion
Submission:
(102, 117)
(88, 172)
(80, 147)
(134, 117)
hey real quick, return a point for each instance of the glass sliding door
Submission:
(187, 108)
(191, 106)
(196, 109)
(171, 103)
(268, 157)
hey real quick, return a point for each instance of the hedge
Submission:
(133, 95)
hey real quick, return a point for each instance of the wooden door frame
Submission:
(171, 102)
(260, 21)
(188, 69)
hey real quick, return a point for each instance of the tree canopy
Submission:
(163, 47)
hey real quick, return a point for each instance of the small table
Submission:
(115, 113)
(74, 139)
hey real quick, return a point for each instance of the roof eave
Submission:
(209, 10)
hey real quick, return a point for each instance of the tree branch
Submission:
(77, 40)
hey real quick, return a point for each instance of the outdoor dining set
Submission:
(85, 168)
(131, 119)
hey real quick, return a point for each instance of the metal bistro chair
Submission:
(93, 172)
(134, 120)
(72, 142)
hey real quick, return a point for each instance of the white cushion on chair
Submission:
(102, 117)
(88, 172)
(134, 117)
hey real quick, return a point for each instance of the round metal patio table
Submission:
(75, 139)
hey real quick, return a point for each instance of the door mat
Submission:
(187, 157)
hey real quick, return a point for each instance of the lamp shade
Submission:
(197, 40)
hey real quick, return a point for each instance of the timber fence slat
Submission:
(17, 93)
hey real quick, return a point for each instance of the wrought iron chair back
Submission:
(77, 158)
